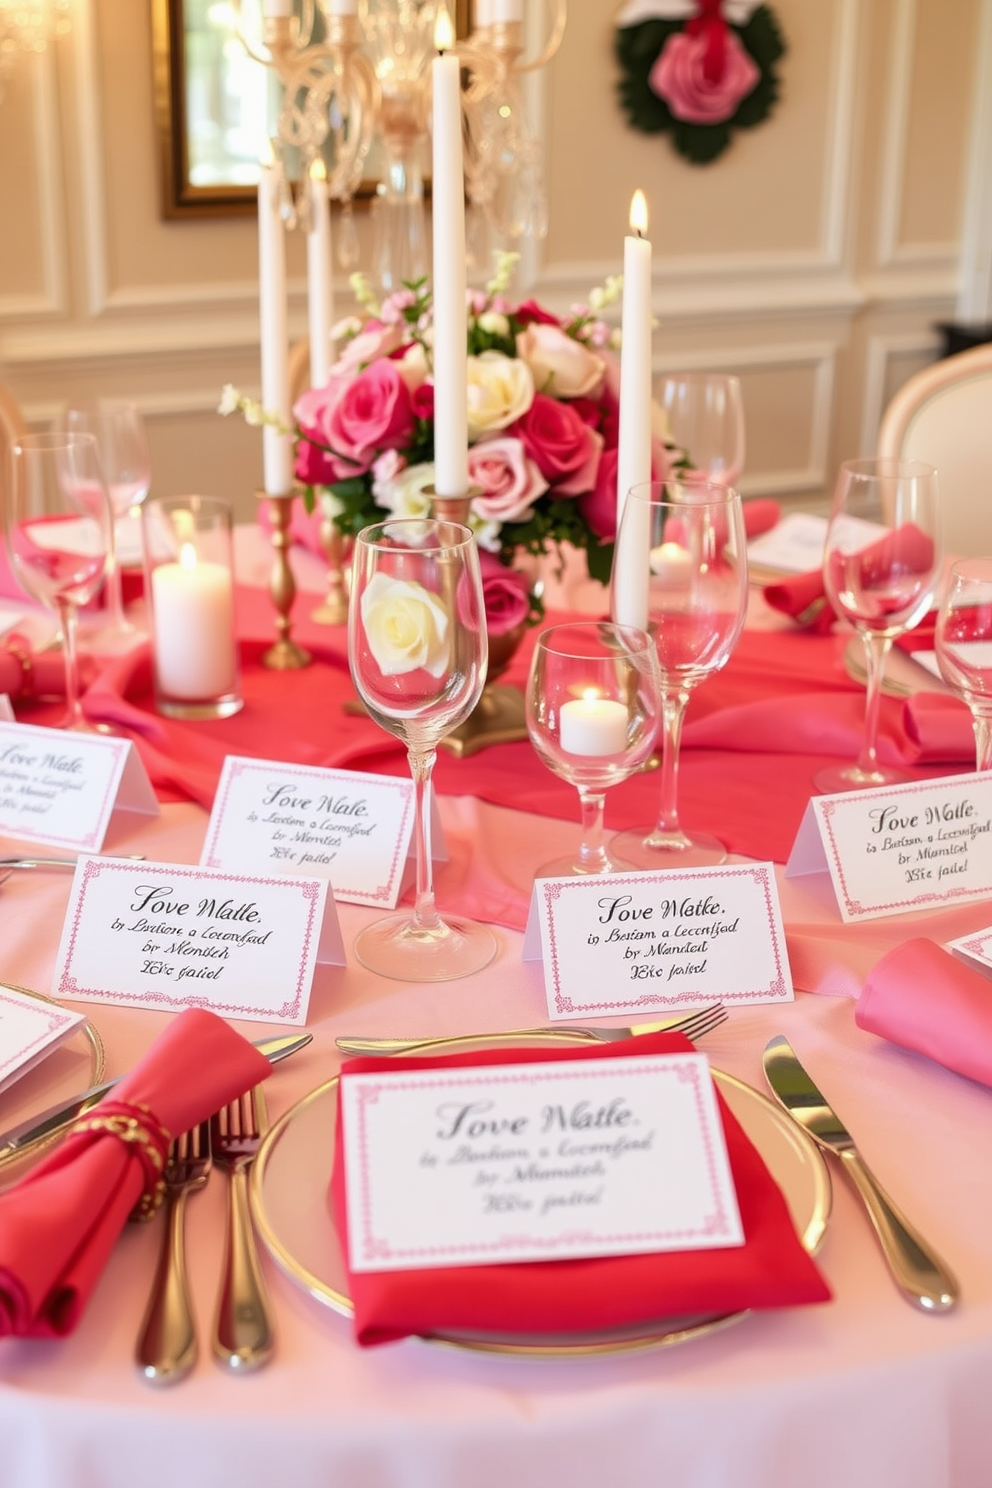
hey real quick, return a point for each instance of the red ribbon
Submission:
(710, 24)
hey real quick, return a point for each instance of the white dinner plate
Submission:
(292, 1173)
(74, 1065)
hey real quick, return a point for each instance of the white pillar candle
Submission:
(630, 602)
(342, 7)
(193, 610)
(593, 725)
(671, 563)
(505, 12)
(277, 8)
(277, 449)
(450, 283)
(320, 289)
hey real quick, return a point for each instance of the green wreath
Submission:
(639, 47)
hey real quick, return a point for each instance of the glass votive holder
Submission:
(189, 586)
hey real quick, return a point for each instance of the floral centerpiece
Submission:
(543, 416)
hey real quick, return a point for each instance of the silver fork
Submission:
(693, 1025)
(243, 1337)
(167, 1346)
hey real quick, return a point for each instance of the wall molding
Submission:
(879, 352)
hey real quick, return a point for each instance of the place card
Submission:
(6, 709)
(795, 543)
(352, 828)
(632, 942)
(157, 935)
(30, 1029)
(900, 849)
(62, 788)
(975, 949)
(535, 1162)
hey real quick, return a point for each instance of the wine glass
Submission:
(418, 650)
(119, 431)
(705, 415)
(881, 561)
(963, 643)
(593, 708)
(679, 570)
(58, 526)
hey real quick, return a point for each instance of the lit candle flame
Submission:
(444, 31)
(187, 556)
(639, 213)
(318, 170)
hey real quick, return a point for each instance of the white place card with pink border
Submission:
(897, 850)
(352, 828)
(31, 1028)
(162, 936)
(535, 1162)
(62, 788)
(658, 942)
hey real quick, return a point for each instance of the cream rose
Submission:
(500, 389)
(405, 490)
(560, 365)
(405, 625)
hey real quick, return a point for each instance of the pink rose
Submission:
(353, 419)
(505, 593)
(599, 507)
(510, 482)
(563, 446)
(561, 365)
(695, 90)
(374, 340)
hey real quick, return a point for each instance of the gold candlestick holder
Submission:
(285, 655)
(334, 609)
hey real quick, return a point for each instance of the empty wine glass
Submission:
(680, 570)
(58, 528)
(119, 431)
(705, 413)
(593, 708)
(881, 560)
(963, 643)
(418, 650)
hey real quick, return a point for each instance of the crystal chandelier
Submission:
(28, 26)
(355, 79)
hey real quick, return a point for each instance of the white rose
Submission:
(405, 625)
(561, 366)
(405, 492)
(500, 389)
(494, 323)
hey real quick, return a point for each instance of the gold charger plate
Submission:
(292, 1172)
(76, 1064)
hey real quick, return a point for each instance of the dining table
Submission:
(864, 1390)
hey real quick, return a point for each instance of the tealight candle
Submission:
(193, 605)
(671, 563)
(593, 725)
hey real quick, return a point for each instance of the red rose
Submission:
(422, 401)
(355, 419)
(562, 445)
(599, 507)
(530, 313)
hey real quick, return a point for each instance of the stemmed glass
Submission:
(119, 431)
(963, 643)
(881, 561)
(418, 651)
(705, 415)
(593, 707)
(58, 527)
(681, 559)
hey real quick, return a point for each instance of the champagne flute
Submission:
(119, 430)
(58, 525)
(705, 413)
(593, 708)
(881, 561)
(418, 651)
(680, 568)
(963, 643)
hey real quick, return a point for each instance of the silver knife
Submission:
(919, 1273)
(59, 862)
(24, 1135)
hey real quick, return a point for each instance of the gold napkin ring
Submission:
(17, 647)
(135, 1125)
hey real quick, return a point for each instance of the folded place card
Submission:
(30, 1029)
(900, 849)
(62, 788)
(629, 942)
(6, 709)
(976, 950)
(354, 829)
(467, 1166)
(156, 935)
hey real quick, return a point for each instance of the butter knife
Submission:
(18, 1138)
(919, 1273)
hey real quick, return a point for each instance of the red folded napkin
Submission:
(59, 1224)
(939, 728)
(922, 997)
(804, 599)
(770, 1270)
(30, 674)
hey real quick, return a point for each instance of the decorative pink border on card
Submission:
(69, 987)
(854, 908)
(92, 840)
(778, 987)
(386, 893)
(52, 1017)
(687, 1069)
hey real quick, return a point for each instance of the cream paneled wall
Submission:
(814, 258)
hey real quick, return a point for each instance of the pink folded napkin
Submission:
(771, 1269)
(803, 598)
(939, 728)
(25, 673)
(922, 997)
(59, 1224)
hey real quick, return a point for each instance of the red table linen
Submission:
(59, 1224)
(770, 1270)
(923, 998)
